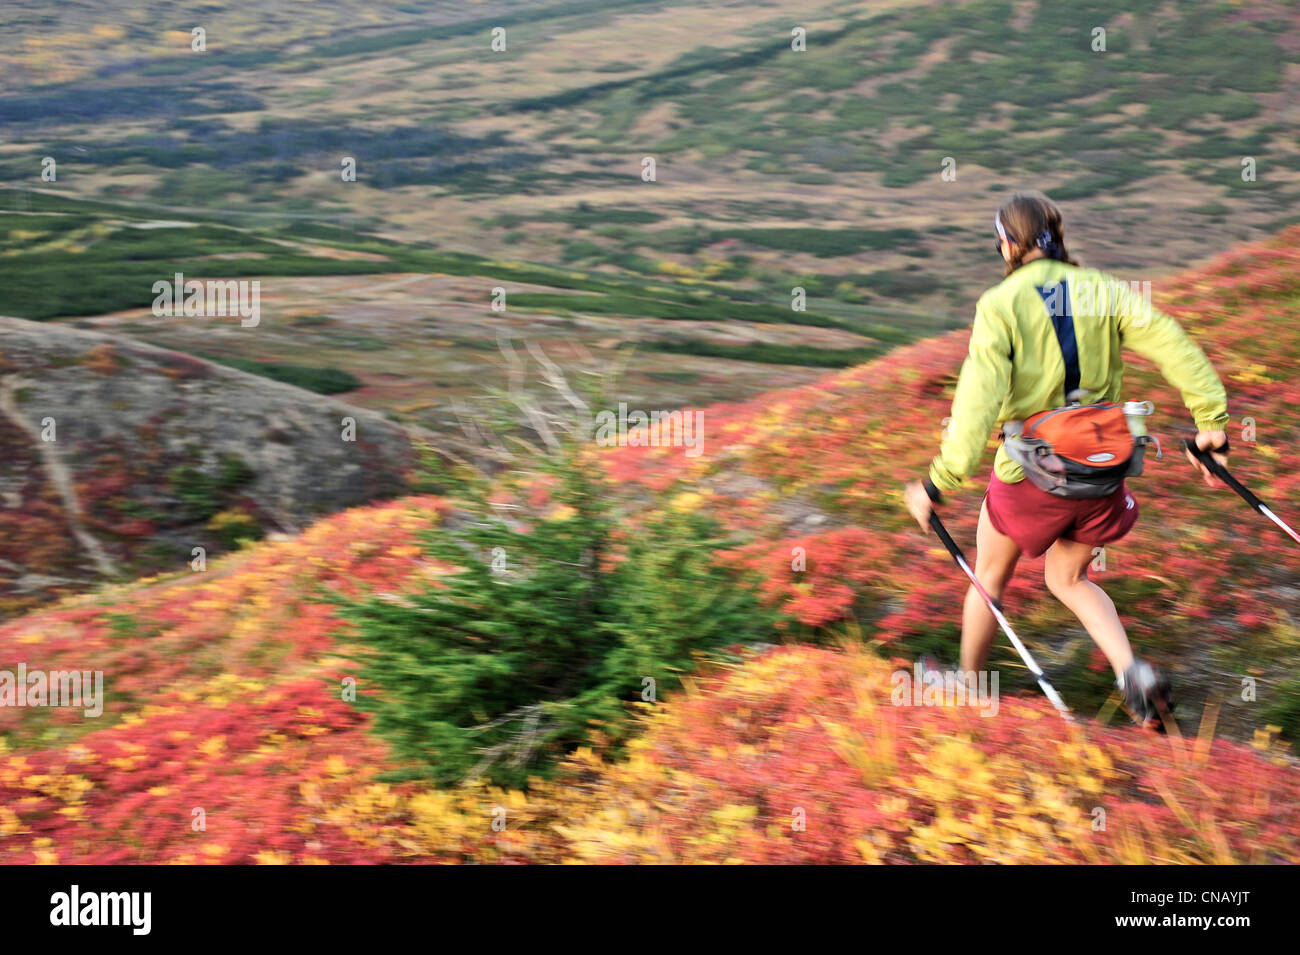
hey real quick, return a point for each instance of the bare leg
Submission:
(1066, 574)
(995, 563)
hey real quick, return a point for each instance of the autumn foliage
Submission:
(225, 737)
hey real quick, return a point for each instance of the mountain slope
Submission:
(226, 687)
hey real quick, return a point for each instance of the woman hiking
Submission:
(1044, 364)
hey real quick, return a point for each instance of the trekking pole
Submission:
(1222, 473)
(996, 607)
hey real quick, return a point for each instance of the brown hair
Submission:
(1032, 222)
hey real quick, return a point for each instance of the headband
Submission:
(1044, 240)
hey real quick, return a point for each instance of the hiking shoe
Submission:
(930, 664)
(1147, 695)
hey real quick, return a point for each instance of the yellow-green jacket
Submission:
(1015, 368)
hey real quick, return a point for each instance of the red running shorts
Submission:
(1035, 520)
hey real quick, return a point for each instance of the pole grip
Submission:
(1223, 474)
(936, 525)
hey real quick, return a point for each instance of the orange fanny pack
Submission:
(1089, 435)
(1077, 451)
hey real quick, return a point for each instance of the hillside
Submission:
(824, 178)
(121, 458)
(406, 328)
(225, 687)
(822, 169)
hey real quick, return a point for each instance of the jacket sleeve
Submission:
(1160, 339)
(982, 388)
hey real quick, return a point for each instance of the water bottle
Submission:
(1135, 412)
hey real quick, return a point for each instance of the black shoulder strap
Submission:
(1057, 299)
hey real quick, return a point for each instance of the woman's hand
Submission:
(1206, 440)
(918, 503)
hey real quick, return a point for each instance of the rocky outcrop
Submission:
(117, 457)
